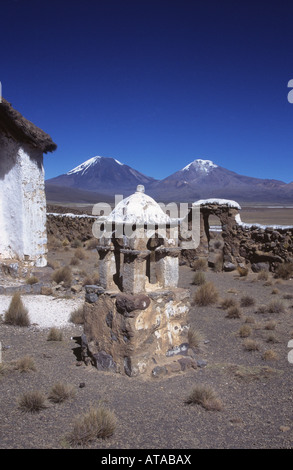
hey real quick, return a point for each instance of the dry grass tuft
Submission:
(24, 364)
(270, 355)
(17, 313)
(206, 397)
(251, 345)
(263, 275)
(200, 264)
(270, 325)
(247, 301)
(276, 306)
(77, 316)
(32, 402)
(234, 312)
(63, 275)
(194, 337)
(32, 280)
(245, 331)
(284, 271)
(61, 392)
(228, 302)
(55, 334)
(97, 423)
(206, 294)
(199, 278)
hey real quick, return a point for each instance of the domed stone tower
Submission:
(137, 316)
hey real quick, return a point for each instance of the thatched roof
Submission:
(14, 124)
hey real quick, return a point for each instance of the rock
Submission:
(127, 303)
(187, 363)
(284, 428)
(91, 298)
(201, 363)
(159, 371)
(76, 288)
(46, 290)
(257, 267)
(228, 266)
(104, 361)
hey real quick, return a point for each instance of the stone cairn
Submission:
(135, 321)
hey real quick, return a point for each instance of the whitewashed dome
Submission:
(140, 209)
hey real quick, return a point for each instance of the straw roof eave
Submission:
(18, 127)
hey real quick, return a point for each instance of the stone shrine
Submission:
(135, 321)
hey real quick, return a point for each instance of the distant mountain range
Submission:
(100, 178)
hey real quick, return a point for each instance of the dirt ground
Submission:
(152, 413)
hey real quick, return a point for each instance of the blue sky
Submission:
(154, 83)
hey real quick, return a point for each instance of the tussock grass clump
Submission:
(284, 270)
(263, 275)
(228, 302)
(55, 334)
(199, 278)
(251, 345)
(17, 313)
(32, 280)
(270, 325)
(32, 402)
(63, 275)
(206, 294)
(247, 301)
(97, 423)
(74, 261)
(262, 309)
(276, 306)
(270, 355)
(61, 392)
(76, 243)
(218, 265)
(92, 244)
(200, 264)
(24, 364)
(245, 331)
(194, 337)
(206, 397)
(79, 253)
(77, 316)
(234, 312)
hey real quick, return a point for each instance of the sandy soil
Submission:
(152, 413)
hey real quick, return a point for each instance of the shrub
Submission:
(263, 275)
(276, 306)
(194, 337)
(61, 392)
(200, 264)
(77, 316)
(32, 280)
(32, 402)
(76, 243)
(199, 278)
(25, 364)
(270, 355)
(245, 331)
(17, 313)
(218, 265)
(63, 275)
(54, 334)
(270, 325)
(247, 301)
(262, 309)
(92, 244)
(284, 270)
(205, 396)
(234, 312)
(79, 253)
(228, 302)
(97, 422)
(74, 261)
(206, 294)
(251, 345)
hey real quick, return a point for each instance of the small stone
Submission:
(81, 385)
(284, 428)
(201, 363)
(159, 371)
(79, 363)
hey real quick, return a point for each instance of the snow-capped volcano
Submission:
(102, 175)
(204, 166)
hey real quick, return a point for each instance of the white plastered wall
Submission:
(22, 203)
